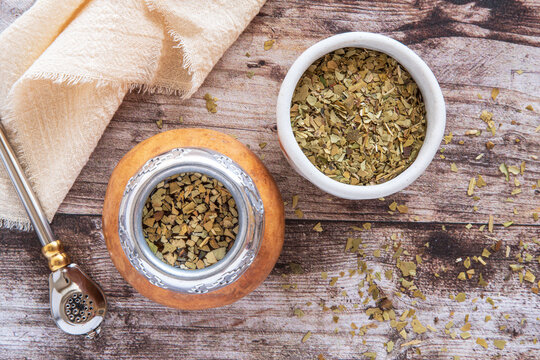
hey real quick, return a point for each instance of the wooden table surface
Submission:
(472, 47)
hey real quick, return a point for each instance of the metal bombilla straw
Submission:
(78, 305)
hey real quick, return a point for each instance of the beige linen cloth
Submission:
(65, 66)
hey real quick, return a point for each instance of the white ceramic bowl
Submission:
(422, 75)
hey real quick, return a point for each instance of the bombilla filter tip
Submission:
(78, 305)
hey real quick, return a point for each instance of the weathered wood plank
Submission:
(462, 43)
(263, 325)
(11, 10)
(471, 47)
(463, 72)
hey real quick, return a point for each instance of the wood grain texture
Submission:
(464, 66)
(471, 47)
(262, 324)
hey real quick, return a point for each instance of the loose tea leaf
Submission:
(211, 105)
(513, 169)
(296, 268)
(418, 327)
(268, 44)
(472, 184)
(358, 116)
(487, 117)
(190, 221)
(508, 223)
(448, 138)
(294, 201)
(412, 342)
(504, 169)
(494, 93)
(403, 209)
(481, 182)
(499, 344)
(529, 276)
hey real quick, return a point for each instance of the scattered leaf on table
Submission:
(403, 209)
(412, 342)
(470, 189)
(268, 44)
(480, 182)
(418, 327)
(504, 170)
(294, 201)
(211, 105)
(494, 93)
(529, 276)
(499, 344)
(296, 268)
(448, 138)
(408, 268)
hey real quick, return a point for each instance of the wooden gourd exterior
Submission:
(273, 205)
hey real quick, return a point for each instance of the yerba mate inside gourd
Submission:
(358, 116)
(190, 221)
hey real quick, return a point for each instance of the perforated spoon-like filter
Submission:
(78, 305)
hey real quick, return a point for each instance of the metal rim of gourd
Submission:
(250, 214)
